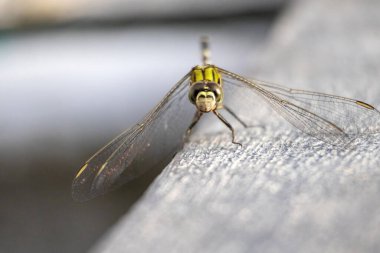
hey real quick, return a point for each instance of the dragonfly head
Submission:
(206, 95)
(206, 91)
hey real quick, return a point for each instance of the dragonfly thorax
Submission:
(206, 91)
(206, 73)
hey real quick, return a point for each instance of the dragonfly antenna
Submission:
(205, 50)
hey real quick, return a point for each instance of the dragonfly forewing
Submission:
(147, 145)
(333, 119)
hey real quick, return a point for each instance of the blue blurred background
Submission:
(71, 78)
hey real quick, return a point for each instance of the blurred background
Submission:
(69, 75)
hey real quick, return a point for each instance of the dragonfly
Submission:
(207, 88)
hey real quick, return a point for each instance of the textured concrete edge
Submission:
(337, 184)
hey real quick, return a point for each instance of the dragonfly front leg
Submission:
(225, 122)
(196, 118)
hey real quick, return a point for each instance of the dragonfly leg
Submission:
(235, 116)
(196, 118)
(228, 125)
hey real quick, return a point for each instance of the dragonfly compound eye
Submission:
(217, 90)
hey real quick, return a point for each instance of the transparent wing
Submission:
(149, 144)
(333, 119)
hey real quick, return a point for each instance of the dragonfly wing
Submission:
(354, 117)
(333, 119)
(244, 102)
(147, 145)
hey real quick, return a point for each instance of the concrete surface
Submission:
(283, 191)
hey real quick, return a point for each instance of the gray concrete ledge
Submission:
(283, 191)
